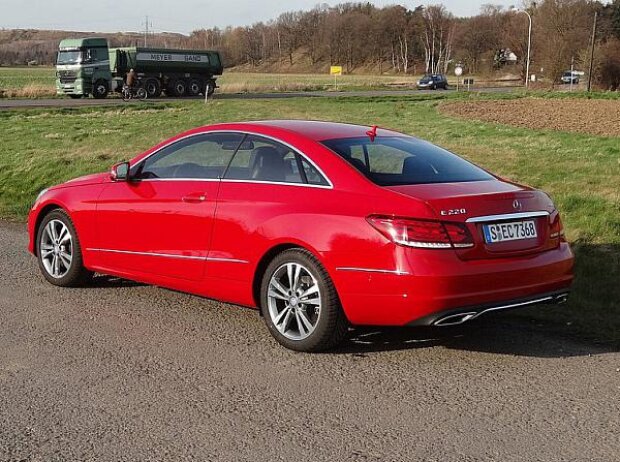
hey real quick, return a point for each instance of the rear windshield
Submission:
(391, 161)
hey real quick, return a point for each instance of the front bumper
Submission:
(434, 284)
(76, 87)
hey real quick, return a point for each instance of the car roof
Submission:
(318, 130)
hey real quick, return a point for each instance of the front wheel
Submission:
(58, 251)
(100, 89)
(299, 303)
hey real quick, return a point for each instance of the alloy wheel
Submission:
(56, 249)
(294, 301)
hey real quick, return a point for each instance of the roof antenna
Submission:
(372, 133)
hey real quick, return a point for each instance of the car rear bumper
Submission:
(469, 313)
(433, 285)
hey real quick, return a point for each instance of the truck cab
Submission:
(83, 68)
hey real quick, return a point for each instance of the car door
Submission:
(160, 220)
(262, 194)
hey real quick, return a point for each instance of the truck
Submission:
(88, 66)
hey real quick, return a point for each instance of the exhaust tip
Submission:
(455, 319)
(562, 298)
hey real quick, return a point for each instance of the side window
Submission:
(200, 157)
(312, 174)
(97, 54)
(261, 159)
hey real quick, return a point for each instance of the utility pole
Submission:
(529, 46)
(592, 51)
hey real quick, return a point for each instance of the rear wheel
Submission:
(152, 87)
(141, 93)
(178, 88)
(58, 251)
(300, 304)
(195, 87)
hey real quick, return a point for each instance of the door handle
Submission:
(194, 198)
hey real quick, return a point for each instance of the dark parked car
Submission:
(570, 77)
(433, 82)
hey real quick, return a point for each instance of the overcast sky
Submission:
(174, 16)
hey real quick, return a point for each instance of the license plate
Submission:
(513, 231)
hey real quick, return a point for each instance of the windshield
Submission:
(69, 57)
(401, 160)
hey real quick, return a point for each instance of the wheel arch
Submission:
(42, 213)
(267, 257)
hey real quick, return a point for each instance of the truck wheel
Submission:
(195, 87)
(178, 88)
(100, 89)
(153, 88)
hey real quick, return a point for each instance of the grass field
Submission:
(581, 172)
(39, 82)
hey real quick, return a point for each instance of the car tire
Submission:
(100, 89)
(309, 323)
(55, 248)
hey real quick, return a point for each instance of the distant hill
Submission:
(21, 46)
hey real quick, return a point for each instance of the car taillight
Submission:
(557, 229)
(459, 236)
(422, 233)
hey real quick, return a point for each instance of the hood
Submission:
(85, 180)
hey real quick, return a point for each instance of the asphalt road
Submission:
(89, 102)
(121, 371)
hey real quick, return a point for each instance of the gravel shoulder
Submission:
(595, 117)
(122, 371)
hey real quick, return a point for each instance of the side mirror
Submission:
(120, 171)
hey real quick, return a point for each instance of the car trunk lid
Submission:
(478, 204)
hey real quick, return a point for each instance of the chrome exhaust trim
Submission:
(455, 319)
(460, 318)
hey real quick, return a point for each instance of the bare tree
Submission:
(438, 36)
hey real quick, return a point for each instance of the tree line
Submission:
(364, 38)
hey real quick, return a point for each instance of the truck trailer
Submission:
(88, 66)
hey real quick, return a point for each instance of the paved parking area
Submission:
(121, 371)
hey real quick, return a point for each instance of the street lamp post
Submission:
(529, 46)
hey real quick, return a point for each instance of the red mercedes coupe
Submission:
(320, 225)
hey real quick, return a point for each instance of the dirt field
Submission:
(596, 117)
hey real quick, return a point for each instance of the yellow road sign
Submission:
(335, 70)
